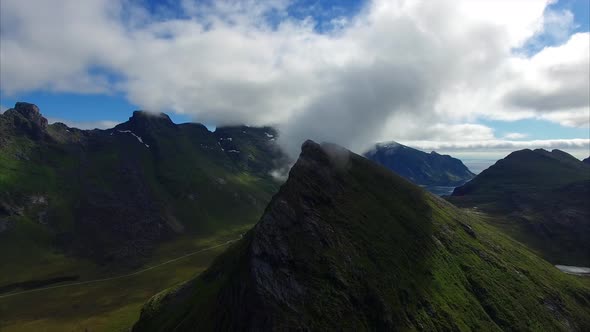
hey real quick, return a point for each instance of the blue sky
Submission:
(80, 107)
(98, 86)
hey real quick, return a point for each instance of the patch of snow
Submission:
(234, 151)
(269, 135)
(138, 138)
(226, 139)
(221, 147)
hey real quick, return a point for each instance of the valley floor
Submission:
(110, 303)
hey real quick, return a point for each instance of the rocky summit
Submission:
(26, 119)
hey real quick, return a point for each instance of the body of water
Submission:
(577, 270)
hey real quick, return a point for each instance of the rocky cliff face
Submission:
(25, 119)
(347, 245)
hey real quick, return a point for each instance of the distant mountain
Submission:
(113, 195)
(348, 245)
(543, 197)
(427, 169)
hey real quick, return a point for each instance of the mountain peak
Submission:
(529, 155)
(429, 169)
(310, 147)
(27, 109)
(31, 112)
(325, 155)
(143, 121)
(150, 116)
(26, 117)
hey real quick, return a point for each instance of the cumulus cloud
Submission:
(405, 70)
(555, 80)
(510, 136)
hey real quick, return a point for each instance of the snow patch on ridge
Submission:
(138, 138)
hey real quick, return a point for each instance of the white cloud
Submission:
(575, 143)
(554, 84)
(404, 129)
(510, 136)
(417, 70)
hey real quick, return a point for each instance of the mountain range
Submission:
(426, 169)
(348, 245)
(114, 195)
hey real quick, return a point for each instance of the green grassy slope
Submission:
(431, 169)
(86, 204)
(539, 197)
(348, 245)
(114, 305)
(113, 195)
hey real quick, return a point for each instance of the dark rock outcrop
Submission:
(26, 118)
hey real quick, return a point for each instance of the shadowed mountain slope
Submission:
(430, 169)
(348, 245)
(113, 195)
(542, 198)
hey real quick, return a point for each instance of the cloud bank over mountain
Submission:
(409, 71)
